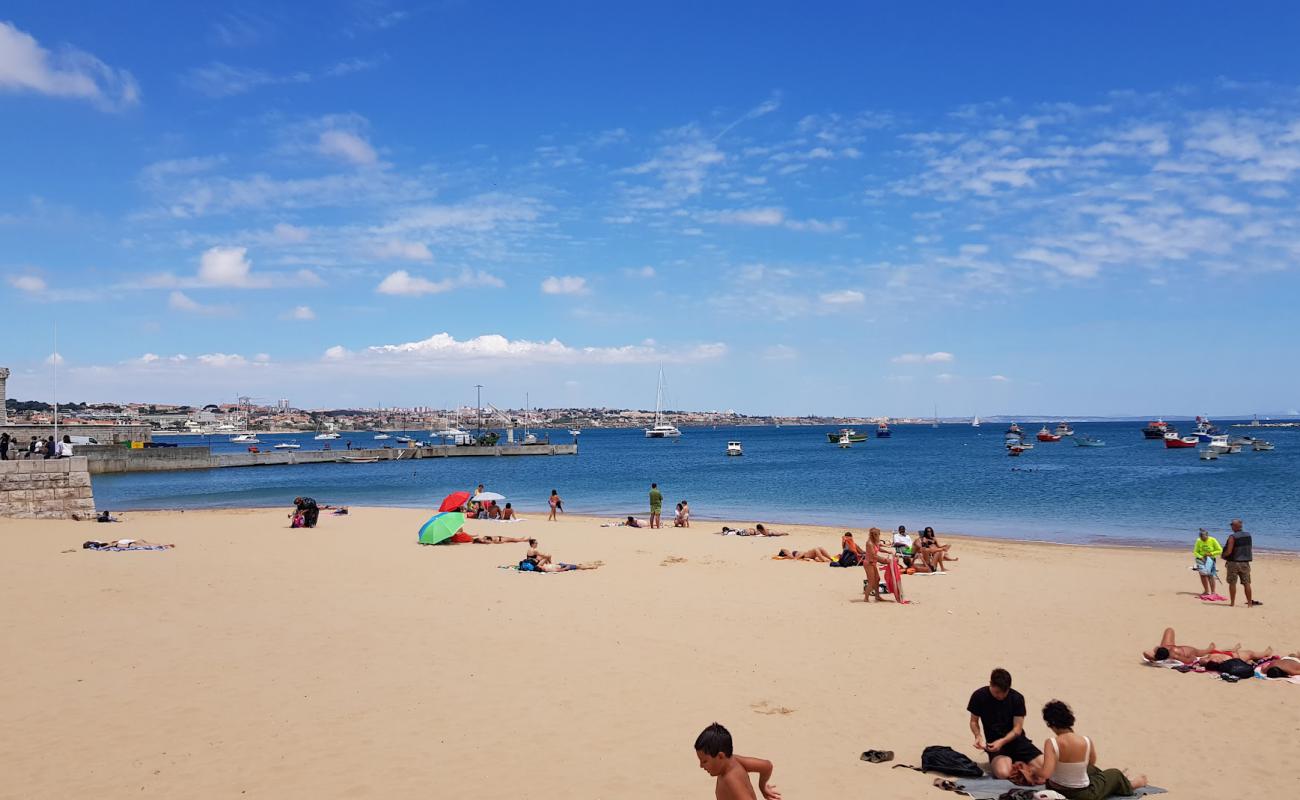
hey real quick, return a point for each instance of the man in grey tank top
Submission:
(1237, 554)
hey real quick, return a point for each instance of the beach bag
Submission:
(1236, 668)
(528, 565)
(848, 558)
(943, 759)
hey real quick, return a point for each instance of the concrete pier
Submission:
(109, 459)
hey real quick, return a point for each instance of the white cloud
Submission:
(640, 272)
(762, 217)
(349, 147)
(482, 214)
(54, 359)
(945, 377)
(398, 250)
(27, 283)
(444, 347)
(565, 284)
(221, 360)
(939, 357)
(228, 267)
(843, 297)
(179, 301)
(25, 66)
(402, 282)
(780, 352)
(290, 234)
(222, 80)
(999, 378)
(302, 314)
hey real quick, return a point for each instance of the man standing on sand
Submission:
(713, 749)
(1237, 556)
(1001, 710)
(656, 505)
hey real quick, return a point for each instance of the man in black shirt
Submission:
(1001, 710)
(309, 510)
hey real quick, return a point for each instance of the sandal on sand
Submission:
(947, 784)
(1256, 603)
(877, 756)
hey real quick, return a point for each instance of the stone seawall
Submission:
(104, 434)
(37, 488)
(109, 459)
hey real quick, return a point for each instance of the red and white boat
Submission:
(1015, 450)
(1172, 439)
(1047, 436)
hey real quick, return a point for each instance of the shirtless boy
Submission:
(713, 748)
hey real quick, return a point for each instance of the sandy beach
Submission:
(347, 661)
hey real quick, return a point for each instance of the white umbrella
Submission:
(482, 497)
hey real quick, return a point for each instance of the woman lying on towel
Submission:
(125, 544)
(757, 530)
(570, 567)
(817, 554)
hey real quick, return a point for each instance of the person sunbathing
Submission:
(570, 567)
(499, 539)
(1220, 656)
(817, 554)
(1169, 649)
(757, 530)
(1284, 667)
(124, 544)
(932, 553)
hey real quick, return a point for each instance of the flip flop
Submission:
(877, 756)
(1256, 603)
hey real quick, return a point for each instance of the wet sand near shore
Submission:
(347, 661)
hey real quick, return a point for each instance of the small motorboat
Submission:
(845, 442)
(358, 459)
(852, 435)
(404, 439)
(327, 436)
(1045, 435)
(381, 436)
(288, 446)
(1174, 441)
(245, 438)
(1063, 429)
(1205, 430)
(575, 431)
(1261, 446)
(1156, 429)
(734, 449)
(1085, 440)
(882, 431)
(1208, 455)
(1014, 428)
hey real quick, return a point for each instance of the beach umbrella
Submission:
(454, 501)
(440, 526)
(483, 497)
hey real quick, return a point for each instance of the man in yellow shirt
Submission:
(1207, 550)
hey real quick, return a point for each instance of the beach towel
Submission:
(516, 568)
(132, 547)
(992, 788)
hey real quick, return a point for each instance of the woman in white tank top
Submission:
(1070, 762)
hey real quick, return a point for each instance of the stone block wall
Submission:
(56, 488)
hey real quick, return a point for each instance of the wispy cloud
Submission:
(25, 66)
(444, 347)
(565, 284)
(404, 283)
(843, 297)
(32, 284)
(939, 357)
(219, 80)
(350, 147)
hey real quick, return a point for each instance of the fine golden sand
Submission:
(347, 661)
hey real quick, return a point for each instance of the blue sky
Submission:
(839, 208)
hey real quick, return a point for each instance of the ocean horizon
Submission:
(955, 478)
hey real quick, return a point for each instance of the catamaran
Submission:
(661, 429)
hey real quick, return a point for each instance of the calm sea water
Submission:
(955, 477)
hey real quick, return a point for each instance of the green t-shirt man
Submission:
(656, 499)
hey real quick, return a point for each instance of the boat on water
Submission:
(1014, 428)
(287, 446)
(845, 442)
(381, 436)
(358, 459)
(852, 435)
(1155, 429)
(575, 431)
(1084, 440)
(1221, 444)
(882, 431)
(1205, 430)
(1045, 435)
(1063, 429)
(1013, 438)
(328, 436)
(245, 438)
(734, 449)
(975, 423)
(402, 439)
(1261, 446)
(661, 429)
(1016, 449)
(1208, 455)
(1174, 441)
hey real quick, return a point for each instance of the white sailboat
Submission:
(975, 423)
(661, 429)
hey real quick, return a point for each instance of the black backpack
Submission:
(940, 758)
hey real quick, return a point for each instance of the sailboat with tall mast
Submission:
(661, 429)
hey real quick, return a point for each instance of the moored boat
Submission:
(287, 446)
(1045, 435)
(845, 442)
(1174, 441)
(1084, 440)
(245, 438)
(1063, 429)
(1015, 450)
(734, 449)
(381, 436)
(1260, 446)
(852, 435)
(882, 431)
(1156, 429)
(1208, 455)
